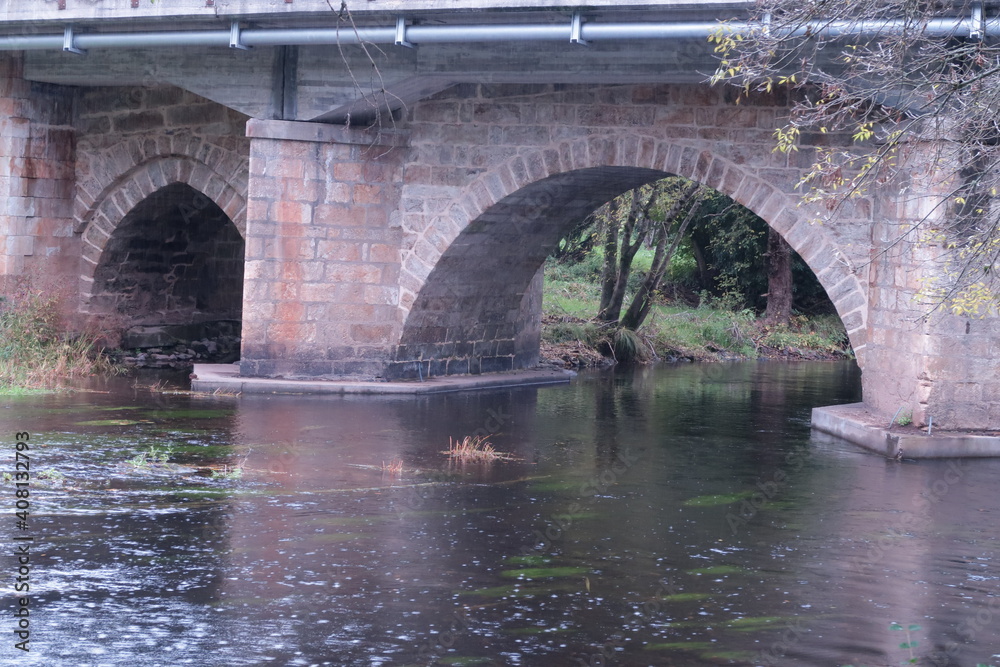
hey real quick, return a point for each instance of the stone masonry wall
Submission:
(497, 173)
(134, 142)
(924, 363)
(37, 151)
(322, 257)
(378, 255)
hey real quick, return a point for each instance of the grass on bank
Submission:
(34, 353)
(710, 331)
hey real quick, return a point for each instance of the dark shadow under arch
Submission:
(175, 259)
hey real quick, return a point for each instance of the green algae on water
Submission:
(532, 560)
(677, 646)
(717, 499)
(686, 597)
(109, 422)
(545, 572)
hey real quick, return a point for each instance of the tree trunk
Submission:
(609, 274)
(704, 274)
(638, 310)
(615, 278)
(779, 280)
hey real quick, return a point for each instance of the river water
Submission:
(678, 515)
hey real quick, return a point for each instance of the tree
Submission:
(629, 221)
(779, 280)
(894, 75)
(638, 310)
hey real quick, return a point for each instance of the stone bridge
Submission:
(383, 210)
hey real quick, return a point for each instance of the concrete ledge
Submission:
(226, 377)
(856, 424)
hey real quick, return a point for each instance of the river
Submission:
(671, 515)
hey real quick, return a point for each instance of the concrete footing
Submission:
(226, 377)
(856, 424)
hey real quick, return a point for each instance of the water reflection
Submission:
(660, 516)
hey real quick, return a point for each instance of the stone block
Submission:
(368, 194)
(339, 251)
(296, 336)
(372, 334)
(141, 121)
(286, 212)
(20, 245)
(353, 273)
(194, 114)
(387, 295)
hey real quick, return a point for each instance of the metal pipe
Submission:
(440, 34)
(974, 26)
(320, 36)
(152, 39)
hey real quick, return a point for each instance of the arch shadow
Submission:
(174, 260)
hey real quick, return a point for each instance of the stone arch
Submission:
(121, 195)
(565, 181)
(173, 266)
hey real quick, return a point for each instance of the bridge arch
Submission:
(175, 259)
(469, 283)
(121, 195)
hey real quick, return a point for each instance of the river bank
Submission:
(572, 338)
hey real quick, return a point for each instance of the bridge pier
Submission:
(322, 251)
(922, 360)
(37, 180)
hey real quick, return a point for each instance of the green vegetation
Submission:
(227, 473)
(152, 456)
(717, 499)
(51, 474)
(888, 89)
(676, 270)
(34, 353)
(718, 327)
(912, 643)
(544, 572)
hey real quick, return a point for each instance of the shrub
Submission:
(34, 353)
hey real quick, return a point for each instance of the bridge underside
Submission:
(414, 248)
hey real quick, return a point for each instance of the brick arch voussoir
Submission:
(133, 175)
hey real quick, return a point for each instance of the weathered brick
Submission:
(339, 251)
(353, 273)
(290, 212)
